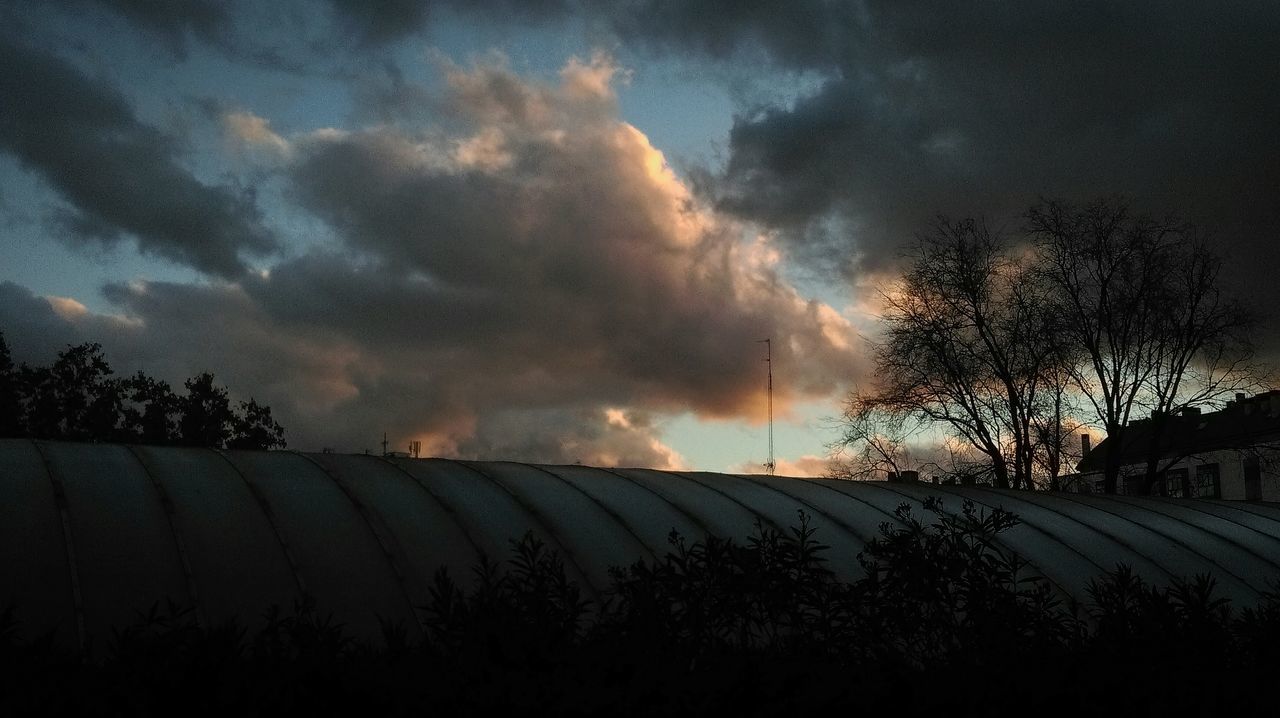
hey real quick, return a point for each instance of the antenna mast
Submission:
(769, 464)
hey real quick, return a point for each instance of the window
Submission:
(1174, 481)
(1206, 484)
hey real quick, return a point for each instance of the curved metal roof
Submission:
(91, 535)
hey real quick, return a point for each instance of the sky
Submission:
(556, 230)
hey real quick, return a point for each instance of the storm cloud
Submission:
(923, 108)
(119, 176)
(175, 22)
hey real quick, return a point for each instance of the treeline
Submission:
(1007, 343)
(79, 398)
(942, 624)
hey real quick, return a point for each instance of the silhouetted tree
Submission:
(255, 429)
(967, 345)
(1096, 310)
(11, 423)
(74, 399)
(205, 415)
(78, 398)
(150, 417)
(874, 440)
(1140, 300)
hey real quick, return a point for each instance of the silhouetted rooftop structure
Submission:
(1243, 423)
(1232, 453)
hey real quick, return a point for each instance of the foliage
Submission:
(1008, 343)
(945, 621)
(79, 398)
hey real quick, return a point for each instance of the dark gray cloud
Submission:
(32, 329)
(174, 22)
(383, 21)
(929, 107)
(120, 176)
(389, 20)
(803, 33)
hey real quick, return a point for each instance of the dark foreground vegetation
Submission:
(79, 398)
(943, 624)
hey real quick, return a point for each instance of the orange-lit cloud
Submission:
(807, 466)
(534, 283)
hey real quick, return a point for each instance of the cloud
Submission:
(377, 23)
(32, 328)
(806, 466)
(173, 22)
(119, 176)
(920, 108)
(251, 133)
(572, 249)
(536, 285)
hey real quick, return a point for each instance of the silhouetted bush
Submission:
(79, 398)
(944, 622)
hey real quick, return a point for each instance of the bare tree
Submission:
(965, 346)
(874, 440)
(1140, 300)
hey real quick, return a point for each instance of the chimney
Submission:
(1086, 445)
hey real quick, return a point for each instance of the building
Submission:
(1233, 453)
(92, 535)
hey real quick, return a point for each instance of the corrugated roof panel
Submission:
(424, 534)
(35, 578)
(125, 553)
(649, 515)
(1268, 511)
(862, 518)
(1048, 555)
(588, 535)
(239, 568)
(1183, 549)
(337, 553)
(782, 509)
(1264, 531)
(720, 514)
(1119, 540)
(491, 514)
(1230, 547)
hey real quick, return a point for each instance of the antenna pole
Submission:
(769, 464)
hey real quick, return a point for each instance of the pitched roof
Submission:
(1241, 423)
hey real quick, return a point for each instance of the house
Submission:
(1233, 453)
